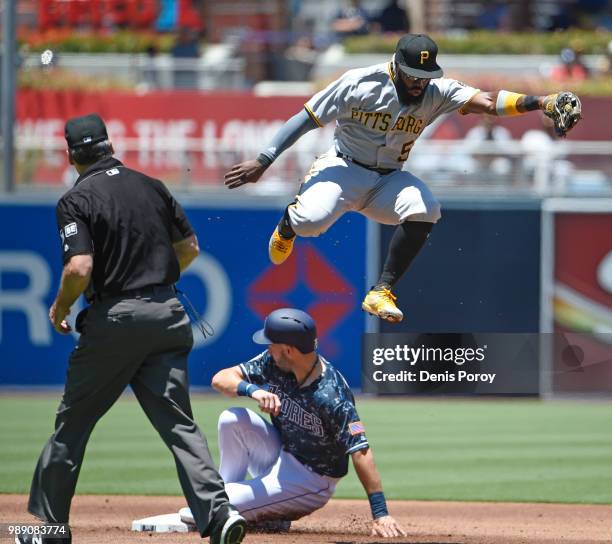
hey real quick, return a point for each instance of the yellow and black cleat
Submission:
(381, 303)
(279, 248)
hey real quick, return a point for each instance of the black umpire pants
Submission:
(142, 341)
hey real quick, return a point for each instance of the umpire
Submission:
(125, 241)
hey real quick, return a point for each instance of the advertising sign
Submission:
(232, 284)
(478, 272)
(195, 137)
(578, 294)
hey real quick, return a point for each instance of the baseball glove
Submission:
(564, 109)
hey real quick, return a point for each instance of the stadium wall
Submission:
(479, 272)
(233, 285)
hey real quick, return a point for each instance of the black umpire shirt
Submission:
(128, 222)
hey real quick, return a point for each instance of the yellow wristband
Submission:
(506, 103)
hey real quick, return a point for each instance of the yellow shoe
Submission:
(279, 248)
(381, 303)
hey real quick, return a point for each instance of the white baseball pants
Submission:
(281, 487)
(334, 186)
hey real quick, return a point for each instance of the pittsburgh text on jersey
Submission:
(382, 121)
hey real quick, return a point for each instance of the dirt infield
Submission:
(107, 519)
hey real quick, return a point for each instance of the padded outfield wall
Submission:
(478, 273)
(232, 284)
(490, 266)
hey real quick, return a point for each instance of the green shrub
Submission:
(59, 79)
(64, 41)
(596, 86)
(488, 43)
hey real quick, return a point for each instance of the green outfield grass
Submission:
(488, 450)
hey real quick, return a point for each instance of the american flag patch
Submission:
(356, 427)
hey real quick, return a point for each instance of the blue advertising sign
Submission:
(232, 284)
(478, 272)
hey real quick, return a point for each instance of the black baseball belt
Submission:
(148, 291)
(377, 169)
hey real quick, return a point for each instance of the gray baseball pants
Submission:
(142, 341)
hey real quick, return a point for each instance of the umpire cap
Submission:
(289, 326)
(416, 54)
(85, 130)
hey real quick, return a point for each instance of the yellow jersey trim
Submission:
(461, 109)
(313, 115)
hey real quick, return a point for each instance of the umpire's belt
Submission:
(378, 170)
(148, 291)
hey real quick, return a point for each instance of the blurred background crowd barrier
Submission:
(190, 87)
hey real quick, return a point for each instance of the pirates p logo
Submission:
(424, 56)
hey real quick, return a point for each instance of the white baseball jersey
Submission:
(372, 125)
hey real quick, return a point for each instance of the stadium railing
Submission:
(551, 168)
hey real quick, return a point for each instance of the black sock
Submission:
(406, 242)
(284, 225)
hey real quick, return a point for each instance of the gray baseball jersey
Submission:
(372, 125)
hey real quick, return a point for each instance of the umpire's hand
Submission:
(386, 527)
(57, 316)
(245, 172)
(269, 403)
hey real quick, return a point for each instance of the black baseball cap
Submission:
(415, 55)
(85, 130)
(289, 326)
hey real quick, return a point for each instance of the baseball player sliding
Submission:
(295, 462)
(380, 111)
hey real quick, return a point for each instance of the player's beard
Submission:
(404, 96)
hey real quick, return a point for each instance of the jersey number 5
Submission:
(405, 151)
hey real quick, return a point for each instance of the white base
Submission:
(166, 523)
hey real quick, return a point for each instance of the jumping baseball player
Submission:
(380, 111)
(295, 462)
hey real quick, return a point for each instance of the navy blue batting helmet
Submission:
(289, 326)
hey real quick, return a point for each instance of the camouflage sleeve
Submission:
(350, 432)
(256, 369)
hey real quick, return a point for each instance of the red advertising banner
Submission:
(582, 305)
(194, 136)
(172, 135)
